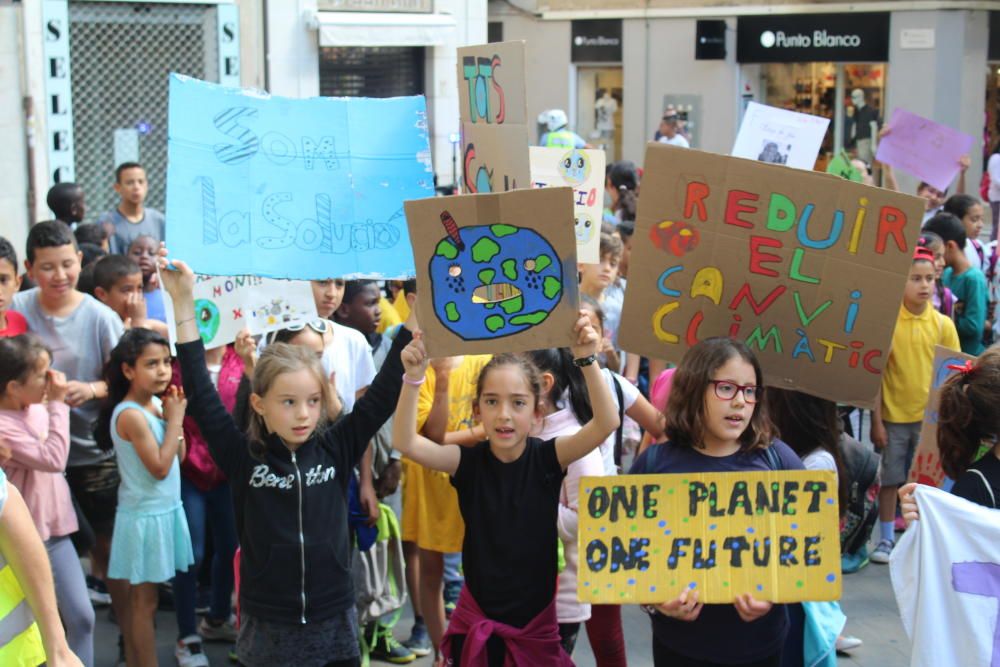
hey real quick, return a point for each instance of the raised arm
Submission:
(47, 454)
(226, 443)
(405, 438)
(569, 448)
(375, 407)
(158, 458)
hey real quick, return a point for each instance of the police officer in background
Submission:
(557, 135)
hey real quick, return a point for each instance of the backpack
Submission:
(380, 573)
(861, 465)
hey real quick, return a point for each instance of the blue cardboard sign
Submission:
(286, 188)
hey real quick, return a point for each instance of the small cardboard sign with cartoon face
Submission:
(495, 266)
(583, 170)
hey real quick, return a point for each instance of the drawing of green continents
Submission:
(492, 281)
(208, 319)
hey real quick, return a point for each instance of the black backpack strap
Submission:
(621, 421)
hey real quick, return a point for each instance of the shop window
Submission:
(828, 90)
(352, 71)
(494, 31)
(600, 101)
(138, 45)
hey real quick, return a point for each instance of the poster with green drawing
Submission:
(495, 272)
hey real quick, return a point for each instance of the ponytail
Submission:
(566, 376)
(967, 413)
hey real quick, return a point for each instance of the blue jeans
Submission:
(215, 508)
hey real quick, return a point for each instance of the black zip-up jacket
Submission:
(291, 508)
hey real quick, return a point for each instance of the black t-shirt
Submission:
(972, 487)
(510, 512)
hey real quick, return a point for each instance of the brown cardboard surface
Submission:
(491, 86)
(495, 158)
(822, 323)
(493, 107)
(926, 466)
(646, 538)
(495, 272)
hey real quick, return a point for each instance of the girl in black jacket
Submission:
(289, 476)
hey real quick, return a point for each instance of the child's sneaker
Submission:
(189, 654)
(847, 643)
(882, 552)
(851, 563)
(99, 596)
(384, 646)
(451, 592)
(419, 642)
(223, 632)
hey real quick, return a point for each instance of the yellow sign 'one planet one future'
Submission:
(645, 538)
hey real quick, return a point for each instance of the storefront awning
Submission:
(384, 29)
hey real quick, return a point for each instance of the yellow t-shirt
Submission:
(906, 379)
(390, 317)
(402, 308)
(431, 517)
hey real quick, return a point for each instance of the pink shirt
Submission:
(569, 609)
(38, 437)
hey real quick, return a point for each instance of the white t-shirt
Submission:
(993, 167)
(350, 357)
(677, 140)
(946, 578)
(973, 255)
(819, 459)
(629, 393)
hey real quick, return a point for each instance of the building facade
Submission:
(709, 59)
(83, 83)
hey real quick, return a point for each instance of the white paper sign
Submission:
(223, 305)
(583, 170)
(780, 136)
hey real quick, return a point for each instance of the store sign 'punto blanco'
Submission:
(819, 38)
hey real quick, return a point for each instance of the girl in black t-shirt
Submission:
(508, 492)
(967, 418)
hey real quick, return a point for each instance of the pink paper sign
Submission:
(928, 150)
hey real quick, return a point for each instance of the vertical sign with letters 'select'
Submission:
(229, 44)
(493, 107)
(58, 106)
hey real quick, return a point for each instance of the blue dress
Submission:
(151, 539)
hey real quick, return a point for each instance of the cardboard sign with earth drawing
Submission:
(772, 534)
(495, 266)
(492, 102)
(926, 467)
(806, 268)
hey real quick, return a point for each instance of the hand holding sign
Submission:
(930, 151)
(749, 538)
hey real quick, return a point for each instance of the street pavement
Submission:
(868, 602)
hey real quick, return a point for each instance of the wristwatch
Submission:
(585, 361)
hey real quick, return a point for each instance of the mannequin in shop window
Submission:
(863, 126)
(604, 114)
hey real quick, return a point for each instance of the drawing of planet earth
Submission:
(208, 319)
(492, 281)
